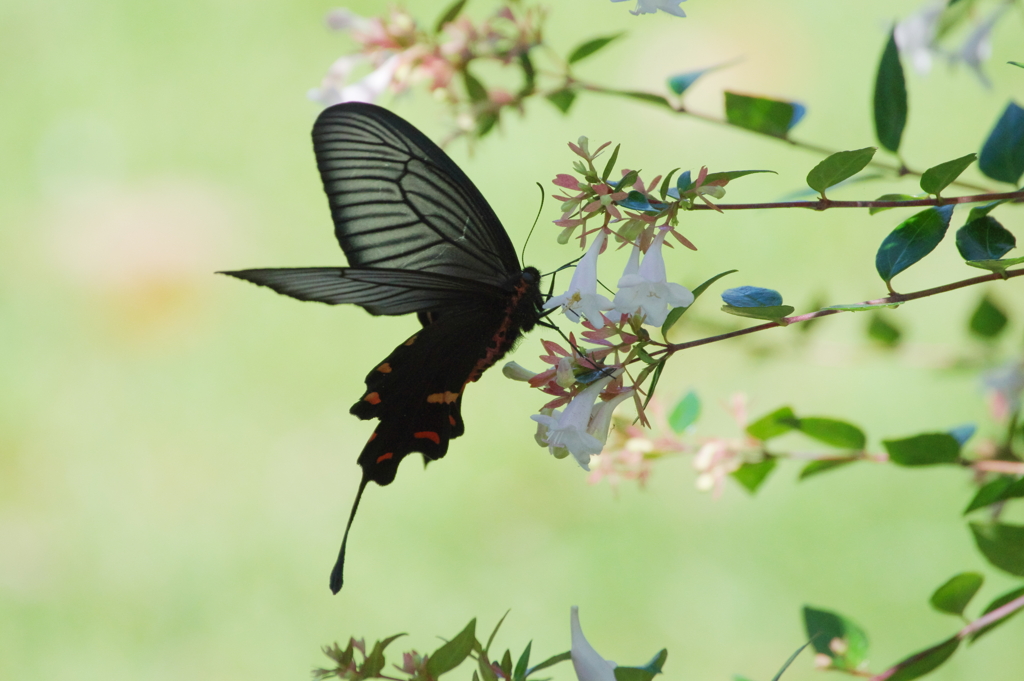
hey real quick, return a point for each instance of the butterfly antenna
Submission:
(337, 578)
(522, 255)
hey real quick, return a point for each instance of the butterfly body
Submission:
(419, 237)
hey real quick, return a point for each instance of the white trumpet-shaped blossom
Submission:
(566, 429)
(643, 288)
(587, 662)
(582, 298)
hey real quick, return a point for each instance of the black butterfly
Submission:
(419, 237)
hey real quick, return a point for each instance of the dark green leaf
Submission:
(449, 14)
(644, 356)
(937, 178)
(529, 74)
(994, 605)
(474, 88)
(998, 266)
(506, 664)
(591, 46)
(840, 166)
(768, 116)
(988, 321)
(890, 197)
(677, 312)
(890, 97)
(1002, 156)
(752, 475)
(645, 673)
(883, 331)
(562, 99)
(916, 237)
(494, 632)
(989, 494)
(686, 412)
(642, 96)
(485, 122)
(823, 627)
(654, 381)
(777, 423)
(953, 596)
(983, 238)
(922, 663)
(451, 654)
(984, 209)
(774, 313)
(815, 467)
(833, 432)
(523, 664)
(553, 660)
(1002, 545)
(1015, 490)
(1016, 63)
(483, 665)
(666, 183)
(923, 450)
(752, 296)
(723, 178)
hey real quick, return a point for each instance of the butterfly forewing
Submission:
(398, 201)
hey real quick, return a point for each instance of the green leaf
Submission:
(923, 450)
(562, 99)
(1014, 490)
(686, 412)
(654, 381)
(753, 475)
(937, 178)
(840, 166)
(779, 422)
(677, 312)
(610, 166)
(988, 321)
(832, 432)
(912, 240)
(451, 654)
(449, 14)
(774, 313)
(890, 197)
(666, 183)
(474, 88)
(642, 96)
(998, 266)
(883, 331)
(860, 307)
(890, 97)
(823, 627)
(1002, 545)
(523, 664)
(768, 116)
(1002, 156)
(815, 467)
(983, 238)
(953, 596)
(490, 639)
(529, 74)
(645, 673)
(723, 178)
(375, 662)
(553, 660)
(1016, 63)
(792, 657)
(591, 46)
(681, 81)
(919, 664)
(506, 664)
(644, 356)
(990, 493)
(994, 605)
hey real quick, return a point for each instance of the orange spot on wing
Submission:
(372, 398)
(442, 398)
(428, 435)
(384, 368)
(451, 420)
(384, 457)
(410, 341)
(373, 436)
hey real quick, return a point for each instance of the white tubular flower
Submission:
(601, 416)
(582, 298)
(333, 90)
(978, 46)
(589, 665)
(652, 6)
(567, 429)
(341, 19)
(915, 36)
(643, 288)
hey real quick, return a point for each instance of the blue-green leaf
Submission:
(1002, 156)
(751, 296)
(984, 239)
(915, 238)
(681, 81)
(890, 98)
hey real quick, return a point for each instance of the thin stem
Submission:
(825, 204)
(894, 299)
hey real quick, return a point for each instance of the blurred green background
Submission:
(176, 456)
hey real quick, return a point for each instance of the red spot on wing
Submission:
(384, 368)
(428, 435)
(372, 398)
(384, 457)
(373, 436)
(451, 420)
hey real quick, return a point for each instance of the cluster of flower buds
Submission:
(594, 375)
(401, 53)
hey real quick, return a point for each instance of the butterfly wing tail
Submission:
(337, 574)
